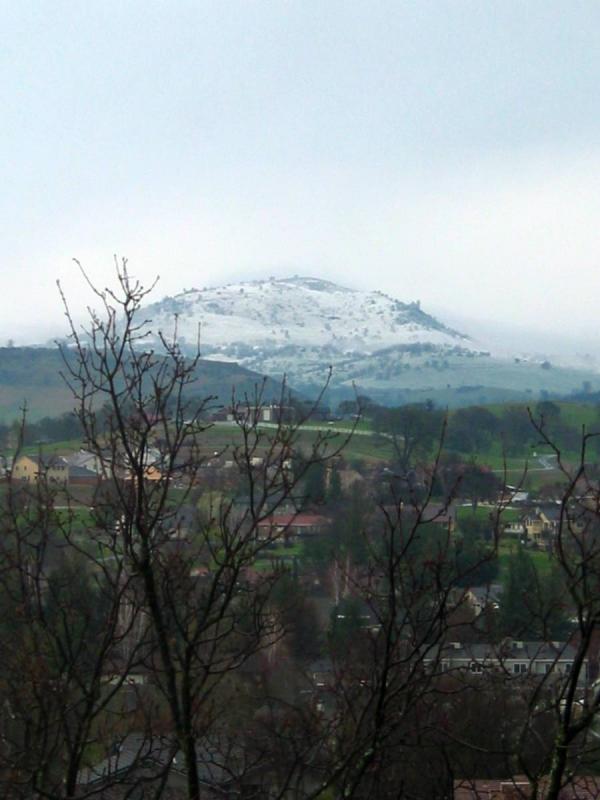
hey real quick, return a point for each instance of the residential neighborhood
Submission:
(312, 567)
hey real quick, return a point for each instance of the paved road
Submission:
(318, 428)
(547, 463)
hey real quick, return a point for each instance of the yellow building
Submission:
(541, 525)
(29, 469)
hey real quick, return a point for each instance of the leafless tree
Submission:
(136, 620)
(207, 609)
(64, 667)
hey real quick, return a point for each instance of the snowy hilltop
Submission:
(301, 312)
(300, 326)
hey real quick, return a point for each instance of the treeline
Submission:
(45, 431)
(477, 429)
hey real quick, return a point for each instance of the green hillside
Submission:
(462, 379)
(32, 375)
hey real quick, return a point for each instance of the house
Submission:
(321, 673)
(438, 514)
(516, 494)
(291, 526)
(251, 415)
(119, 464)
(580, 787)
(537, 526)
(482, 597)
(82, 476)
(515, 528)
(54, 469)
(512, 657)
(275, 412)
(86, 460)
(152, 473)
(482, 789)
(541, 525)
(520, 498)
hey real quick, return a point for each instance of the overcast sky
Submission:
(441, 151)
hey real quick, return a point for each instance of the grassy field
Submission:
(361, 446)
(541, 560)
(571, 413)
(79, 517)
(507, 546)
(365, 445)
(53, 448)
(219, 439)
(579, 414)
(483, 513)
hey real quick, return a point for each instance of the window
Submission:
(519, 669)
(475, 667)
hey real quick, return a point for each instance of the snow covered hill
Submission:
(251, 321)
(392, 350)
(304, 312)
